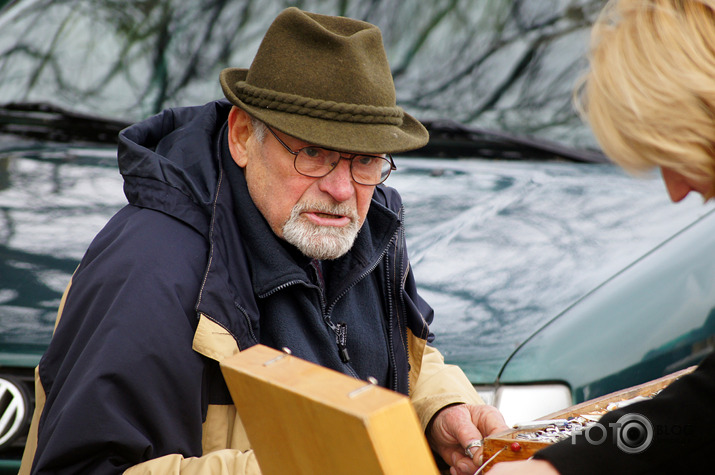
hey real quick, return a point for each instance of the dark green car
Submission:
(554, 276)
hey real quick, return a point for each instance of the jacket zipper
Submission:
(399, 253)
(340, 329)
(390, 315)
(390, 349)
(286, 285)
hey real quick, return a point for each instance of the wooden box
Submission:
(500, 446)
(302, 418)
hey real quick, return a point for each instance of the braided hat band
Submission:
(326, 81)
(330, 110)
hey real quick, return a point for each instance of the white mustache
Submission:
(321, 242)
(340, 209)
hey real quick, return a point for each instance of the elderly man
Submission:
(259, 220)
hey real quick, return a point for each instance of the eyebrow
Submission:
(298, 149)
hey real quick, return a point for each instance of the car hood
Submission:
(653, 318)
(53, 199)
(501, 248)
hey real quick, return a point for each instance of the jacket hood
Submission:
(163, 161)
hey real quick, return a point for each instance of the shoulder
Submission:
(138, 282)
(140, 276)
(145, 244)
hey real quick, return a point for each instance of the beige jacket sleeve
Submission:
(225, 445)
(439, 385)
(220, 462)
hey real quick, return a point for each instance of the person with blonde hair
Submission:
(649, 96)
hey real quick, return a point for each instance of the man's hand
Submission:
(529, 467)
(454, 427)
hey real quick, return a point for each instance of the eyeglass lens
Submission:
(318, 162)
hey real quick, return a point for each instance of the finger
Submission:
(488, 419)
(466, 431)
(477, 455)
(455, 427)
(473, 448)
(462, 464)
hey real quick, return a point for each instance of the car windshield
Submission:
(506, 66)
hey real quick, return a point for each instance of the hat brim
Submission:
(344, 136)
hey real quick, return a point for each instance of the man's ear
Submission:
(239, 130)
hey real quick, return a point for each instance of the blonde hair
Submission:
(649, 94)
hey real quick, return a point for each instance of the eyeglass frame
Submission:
(387, 158)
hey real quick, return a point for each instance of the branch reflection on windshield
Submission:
(505, 65)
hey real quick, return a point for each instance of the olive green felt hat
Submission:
(325, 80)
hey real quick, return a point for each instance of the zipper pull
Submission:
(341, 338)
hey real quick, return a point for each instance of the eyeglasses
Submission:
(317, 162)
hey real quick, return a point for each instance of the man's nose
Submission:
(339, 183)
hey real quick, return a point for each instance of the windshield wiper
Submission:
(49, 122)
(450, 139)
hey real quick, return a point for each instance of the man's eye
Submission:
(365, 159)
(314, 152)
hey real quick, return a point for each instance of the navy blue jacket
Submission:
(123, 384)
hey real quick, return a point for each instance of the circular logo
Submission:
(12, 411)
(634, 433)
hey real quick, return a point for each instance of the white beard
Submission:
(321, 242)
